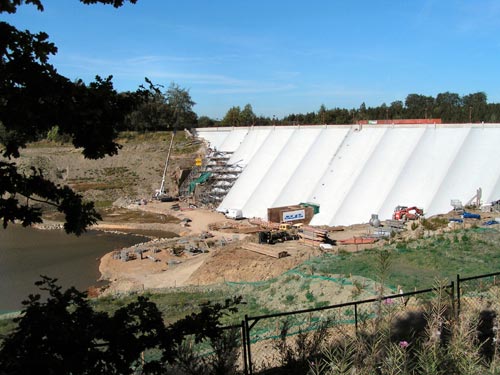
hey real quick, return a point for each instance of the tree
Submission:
(362, 114)
(181, 106)
(475, 105)
(65, 335)
(205, 122)
(163, 111)
(396, 110)
(418, 106)
(33, 99)
(152, 115)
(232, 117)
(448, 107)
(247, 117)
(321, 118)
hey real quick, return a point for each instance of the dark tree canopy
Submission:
(10, 6)
(64, 334)
(33, 99)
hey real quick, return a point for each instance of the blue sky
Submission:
(282, 57)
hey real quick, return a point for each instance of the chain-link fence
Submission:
(478, 293)
(291, 338)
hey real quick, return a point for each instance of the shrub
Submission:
(434, 223)
(310, 296)
(54, 135)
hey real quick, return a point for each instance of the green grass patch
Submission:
(6, 326)
(418, 264)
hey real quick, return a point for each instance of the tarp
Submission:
(203, 177)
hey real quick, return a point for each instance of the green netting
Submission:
(203, 177)
(303, 275)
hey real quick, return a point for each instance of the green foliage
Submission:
(162, 111)
(54, 135)
(417, 264)
(78, 214)
(64, 335)
(34, 99)
(434, 223)
(319, 304)
(232, 117)
(357, 289)
(310, 296)
(444, 344)
(449, 107)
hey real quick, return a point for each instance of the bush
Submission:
(434, 223)
(54, 135)
(431, 341)
(310, 296)
(65, 335)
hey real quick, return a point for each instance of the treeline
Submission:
(449, 107)
(174, 109)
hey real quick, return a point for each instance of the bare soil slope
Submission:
(133, 174)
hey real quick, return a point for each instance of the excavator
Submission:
(407, 213)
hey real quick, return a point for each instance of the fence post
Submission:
(452, 294)
(244, 347)
(458, 295)
(249, 351)
(356, 319)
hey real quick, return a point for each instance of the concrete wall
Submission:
(355, 171)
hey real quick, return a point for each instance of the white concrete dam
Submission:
(353, 171)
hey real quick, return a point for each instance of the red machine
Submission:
(407, 213)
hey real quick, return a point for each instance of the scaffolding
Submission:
(209, 183)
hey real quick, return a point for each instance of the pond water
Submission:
(27, 253)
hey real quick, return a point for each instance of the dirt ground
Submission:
(226, 259)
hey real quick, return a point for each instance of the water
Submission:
(27, 253)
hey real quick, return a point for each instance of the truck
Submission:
(407, 213)
(234, 213)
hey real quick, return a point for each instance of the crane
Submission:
(160, 192)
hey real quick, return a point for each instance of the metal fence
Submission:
(478, 292)
(264, 337)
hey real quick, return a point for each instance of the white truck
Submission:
(234, 213)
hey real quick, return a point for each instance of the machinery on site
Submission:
(273, 237)
(407, 213)
(161, 194)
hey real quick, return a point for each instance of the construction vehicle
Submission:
(161, 194)
(407, 213)
(273, 237)
(285, 226)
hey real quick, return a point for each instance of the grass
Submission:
(418, 263)
(173, 305)
(6, 326)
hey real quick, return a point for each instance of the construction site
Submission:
(259, 201)
(350, 172)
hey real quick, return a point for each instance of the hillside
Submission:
(133, 174)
